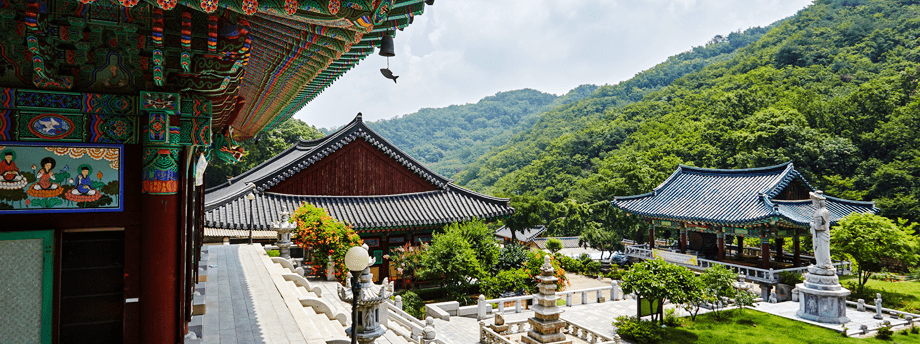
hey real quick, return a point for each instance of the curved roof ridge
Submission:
(278, 194)
(672, 177)
(786, 177)
(229, 198)
(618, 198)
(850, 201)
(735, 170)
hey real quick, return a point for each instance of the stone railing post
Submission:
(427, 335)
(517, 306)
(599, 296)
(481, 307)
(482, 331)
(616, 292)
(584, 298)
(429, 322)
(330, 270)
(398, 302)
(568, 300)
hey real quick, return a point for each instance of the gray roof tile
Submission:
(732, 197)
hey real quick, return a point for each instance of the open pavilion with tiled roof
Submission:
(766, 203)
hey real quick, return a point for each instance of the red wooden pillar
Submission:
(765, 252)
(721, 246)
(779, 249)
(161, 237)
(796, 251)
(740, 252)
(683, 240)
(651, 236)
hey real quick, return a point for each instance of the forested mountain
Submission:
(833, 89)
(446, 139)
(563, 121)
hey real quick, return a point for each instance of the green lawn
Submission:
(904, 296)
(757, 327)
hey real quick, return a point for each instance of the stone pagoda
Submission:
(546, 324)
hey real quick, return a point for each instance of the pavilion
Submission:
(710, 206)
(110, 111)
(360, 178)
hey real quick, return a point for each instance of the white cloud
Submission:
(460, 51)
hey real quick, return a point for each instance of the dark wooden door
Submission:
(92, 287)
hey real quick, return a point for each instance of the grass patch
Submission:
(273, 253)
(903, 296)
(757, 327)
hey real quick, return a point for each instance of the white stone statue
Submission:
(820, 231)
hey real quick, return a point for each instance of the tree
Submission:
(657, 280)
(717, 288)
(553, 245)
(481, 239)
(512, 256)
(867, 238)
(452, 258)
(527, 210)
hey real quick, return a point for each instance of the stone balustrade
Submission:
(485, 305)
(487, 336)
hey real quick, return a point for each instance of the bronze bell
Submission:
(386, 45)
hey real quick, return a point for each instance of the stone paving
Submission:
(245, 303)
(788, 309)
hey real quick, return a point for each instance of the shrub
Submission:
(592, 268)
(790, 278)
(273, 253)
(553, 245)
(615, 274)
(671, 319)
(324, 236)
(884, 333)
(512, 256)
(505, 281)
(569, 264)
(408, 260)
(413, 304)
(638, 331)
(914, 329)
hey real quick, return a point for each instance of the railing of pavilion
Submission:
(754, 274)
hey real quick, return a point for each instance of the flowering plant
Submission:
(408, 260)
(535, 262)
(323, 236)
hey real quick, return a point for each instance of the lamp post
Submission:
(356, 260)
(251, 197)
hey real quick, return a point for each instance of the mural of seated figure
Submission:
(83, 190)
(11, 178)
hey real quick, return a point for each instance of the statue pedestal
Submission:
(821, 298)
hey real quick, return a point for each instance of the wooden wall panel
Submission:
(358, 169)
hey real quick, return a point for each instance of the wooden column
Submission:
(779, 249)
(796, 250)
(765, 252)
(740, 252)
(651, 236)
(721, 245)
(683, 240)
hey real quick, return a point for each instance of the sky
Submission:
(460, 51)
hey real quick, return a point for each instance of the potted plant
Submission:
(787, 282)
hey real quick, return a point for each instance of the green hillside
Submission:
(563, 121)
(833, 89)
(447, 139)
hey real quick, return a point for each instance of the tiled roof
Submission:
(732, 197)
(306, 153)
(412, 210)
(526, 235)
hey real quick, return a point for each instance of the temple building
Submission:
(709, 208)
(361, 179)
(109, 113)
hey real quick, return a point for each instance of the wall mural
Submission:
(44, 178)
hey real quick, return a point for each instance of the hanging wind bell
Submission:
(386, 49)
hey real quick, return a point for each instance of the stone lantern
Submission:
(284, 229)
(370, 298)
